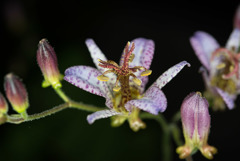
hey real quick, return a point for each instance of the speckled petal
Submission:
(194, 114)
(204, 45)
(154, 101)
(96, 54)
(143, 52)
(229, 100)
(101, 114)
(234, 40)
(170, 74)
(86, 78)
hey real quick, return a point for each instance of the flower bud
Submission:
(16, 93)
(47, 61)
(3, 104)
(196, 124)
(237, 18)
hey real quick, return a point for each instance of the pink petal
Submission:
(154, 101)
(228, 99)
(86, 78)
(96, 54)
(101, 114)
(170, 74)
(234, 40)
(204, 45)
(144, 50)
(194, 114)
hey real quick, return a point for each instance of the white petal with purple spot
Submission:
(228, 99)
(101, 114)
(234, 40)
(154, 101)
(86, 78)
(143, 52)
(204, 45)
(96, 54)
(170, 74)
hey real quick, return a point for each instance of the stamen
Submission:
(146, 73)
(137, 81)
(102, 78)
(221, 65)
(116, 88)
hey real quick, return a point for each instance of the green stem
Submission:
(85, 107)
(166, 146)
(62, 94)
(166, 139)
(17, 119)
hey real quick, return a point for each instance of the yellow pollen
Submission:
(137, 81)
(221, 65)
(146, 73)
(231, 68)
(116, 88)
(102, 78)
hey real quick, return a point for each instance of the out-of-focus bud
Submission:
(237, 18)
(16, 93)
(196, 125)
(47, 61)
(3, 104)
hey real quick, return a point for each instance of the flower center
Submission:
(227, 68)
(123, 72)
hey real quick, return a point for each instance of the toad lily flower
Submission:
(123, 85)
(220, 65)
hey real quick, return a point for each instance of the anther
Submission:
(221, 65)
(116, 88)
(137, 81)
(102, 78)
(146, 73)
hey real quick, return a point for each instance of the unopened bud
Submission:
(3, 105)
(196, 124)
(47, 61)
(16, 93)
(237, 18)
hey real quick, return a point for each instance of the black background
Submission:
(66, 24)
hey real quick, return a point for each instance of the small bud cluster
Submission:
(16, 94)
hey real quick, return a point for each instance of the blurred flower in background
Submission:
(221, 66)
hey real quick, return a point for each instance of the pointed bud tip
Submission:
(44, 40)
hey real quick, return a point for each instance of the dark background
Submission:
(66, 24)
